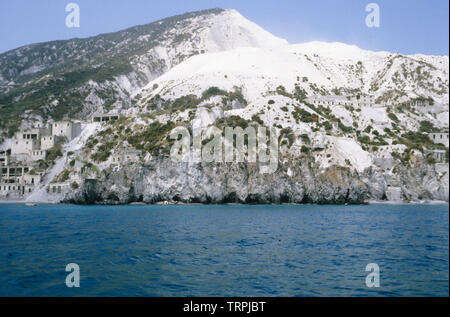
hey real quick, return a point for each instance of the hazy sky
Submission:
(406, 26)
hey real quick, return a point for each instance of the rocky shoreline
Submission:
(168, 203)
(295, 182)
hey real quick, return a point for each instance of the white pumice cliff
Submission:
(354, 125)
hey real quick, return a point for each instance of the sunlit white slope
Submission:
(231, 30)
(312, 66)
(215, 32)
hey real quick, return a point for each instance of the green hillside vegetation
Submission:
(66, 67)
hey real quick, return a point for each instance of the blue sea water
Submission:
(223, 250)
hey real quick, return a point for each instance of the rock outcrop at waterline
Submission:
(296, 181)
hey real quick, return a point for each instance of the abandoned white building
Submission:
(350, 100)
(32, 144)
(421, 102)
(4, 158)
(126, 154)
(440, 138)
(66, 129)
(27, 148)
(18, 180)
(59, 188)
(393, 193)
(47, 142)
(105, 117)
(26, 141)
(439, 156)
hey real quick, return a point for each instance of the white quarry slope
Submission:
(338, 50)
(326, 65)
(348, 149)
(40, 194)
(318, 68)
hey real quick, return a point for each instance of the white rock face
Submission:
(349, 150)
(326, 65)
(230, 30)
(213, 33)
